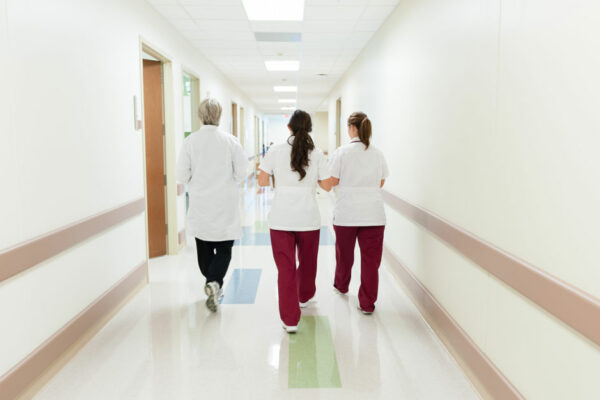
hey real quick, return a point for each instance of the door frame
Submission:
(338, 122)
(168, 142)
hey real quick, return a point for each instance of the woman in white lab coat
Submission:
(212, 163)
(294, 219)
(359, 170)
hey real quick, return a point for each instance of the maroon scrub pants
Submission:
(370, 241)
(295, 284)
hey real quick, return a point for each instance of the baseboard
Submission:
(27, 376)
(485, 376)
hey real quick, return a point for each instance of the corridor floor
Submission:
(165, 344)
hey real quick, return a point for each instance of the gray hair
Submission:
(209, 112)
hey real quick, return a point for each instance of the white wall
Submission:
(278, 131)
(68, 72)
(487, 112)
(320, 130)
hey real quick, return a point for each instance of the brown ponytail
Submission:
(363, 125)
(301, 125)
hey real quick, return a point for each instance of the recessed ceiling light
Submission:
(274, 10)
(286, 100)
(282, 65)
(288, 108)
(285, 88)
(321, 74)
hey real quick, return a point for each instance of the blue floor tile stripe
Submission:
(242, 286)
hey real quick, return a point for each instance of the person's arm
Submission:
(385, 171)
(266, 170)
(264, 179)
(240, 163)
(335, 167)
(324, 175)
(325, 184)
(183, 172)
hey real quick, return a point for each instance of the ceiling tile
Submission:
(172, 11)
(328, 13)
(217, 12)
(377, 13)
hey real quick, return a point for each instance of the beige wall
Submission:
(487, 112)
(68, 73)
(320, 130)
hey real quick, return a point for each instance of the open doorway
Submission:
(191, 101)
(191, 123)
(338, 122)
(234, 119)
(242, 126)
(154, 131)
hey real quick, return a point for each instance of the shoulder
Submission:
(375, 150)
(279, 147)
(228, 137)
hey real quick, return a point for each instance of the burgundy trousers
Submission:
(295, 284)
(370, 241)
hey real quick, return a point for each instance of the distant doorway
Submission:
(154, 130)
(234, 119)
(242, 126)
(338, 122)
(191, 101)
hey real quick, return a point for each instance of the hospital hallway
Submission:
(460, 140)
(165, 343)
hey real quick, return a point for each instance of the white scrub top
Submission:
(294, 205)
(360, 171)
(212, 163)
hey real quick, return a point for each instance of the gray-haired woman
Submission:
(212, 163)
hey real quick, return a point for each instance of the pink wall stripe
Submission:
(482, 371)
(23, 256)
(33, 366)
(574, 307)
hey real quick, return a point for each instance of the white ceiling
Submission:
(333, 34)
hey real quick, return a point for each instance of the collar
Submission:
(355, 140)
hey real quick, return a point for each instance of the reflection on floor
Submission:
(165, 344)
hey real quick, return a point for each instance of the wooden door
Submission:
(338, 123)
(234, 119)
(155, 163)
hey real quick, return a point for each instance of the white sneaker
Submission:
(305, 304)
(212, 290)
(290, 329)
(364, 311)
(336, 290)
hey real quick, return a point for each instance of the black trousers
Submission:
(213, 259)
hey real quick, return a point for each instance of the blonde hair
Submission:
(209, 112)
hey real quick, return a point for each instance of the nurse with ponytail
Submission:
(359, 171)
(294, 220)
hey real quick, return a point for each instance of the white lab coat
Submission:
(295, 205)
(212, 163)
(360, 171)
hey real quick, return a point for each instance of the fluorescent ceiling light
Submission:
(286, 100)
(282, 65)
(274, 10)
(288, 108)
(285, 88)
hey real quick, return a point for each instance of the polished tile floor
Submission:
(165, 344)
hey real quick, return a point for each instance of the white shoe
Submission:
(305, 304)
(338, 291)
(290, 329)
(212, 290)
(363, 311)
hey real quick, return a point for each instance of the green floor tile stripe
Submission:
(312, 355)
